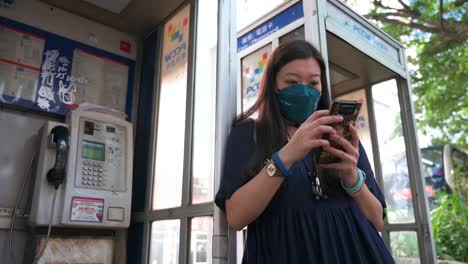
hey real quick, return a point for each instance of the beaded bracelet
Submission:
(358, 186)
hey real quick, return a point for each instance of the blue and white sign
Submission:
(47, 72)
(276, 23)
(359, 32)
(364, 34)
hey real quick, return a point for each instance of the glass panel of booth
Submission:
(205, 102)
(297, 33)
(250, 10)
(252, 67)
(171, 113)
(165, 237)
(404, 245)
(201, 240)
(397, 190)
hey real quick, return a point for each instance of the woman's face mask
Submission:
(298, 102)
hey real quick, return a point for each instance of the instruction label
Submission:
(87, 210)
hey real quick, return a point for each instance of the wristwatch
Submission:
(271, 168)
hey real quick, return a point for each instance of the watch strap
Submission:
(279, 164)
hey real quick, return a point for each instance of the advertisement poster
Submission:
(87, 210)
(176, 37)
(253, 66)
(172, 110)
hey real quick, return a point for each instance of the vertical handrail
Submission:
(224, 239)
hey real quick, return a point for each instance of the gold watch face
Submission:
(271, 169)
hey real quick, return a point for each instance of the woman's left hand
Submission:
(347, 166)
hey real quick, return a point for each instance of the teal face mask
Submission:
(298, 102)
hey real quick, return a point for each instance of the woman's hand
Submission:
(309, 136)
(347, 170)
(347, 167)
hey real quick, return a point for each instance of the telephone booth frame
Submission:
(324, 23)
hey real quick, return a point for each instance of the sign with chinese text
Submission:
(46, 72)
(276, 23)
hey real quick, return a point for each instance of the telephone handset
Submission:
(56, 175)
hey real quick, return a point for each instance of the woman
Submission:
(297, 211)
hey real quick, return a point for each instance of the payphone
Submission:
(85, 172)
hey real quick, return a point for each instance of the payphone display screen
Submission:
(93, 150)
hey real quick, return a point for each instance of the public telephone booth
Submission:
(135, 59)
(179, 71)
(367, 65)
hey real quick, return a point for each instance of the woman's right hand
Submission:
(308, 136)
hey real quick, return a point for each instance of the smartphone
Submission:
(350, 111)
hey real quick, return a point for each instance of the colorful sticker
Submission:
(87, 210)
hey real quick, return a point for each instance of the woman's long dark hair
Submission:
(270, 127)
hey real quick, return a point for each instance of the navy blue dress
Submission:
(295, 227)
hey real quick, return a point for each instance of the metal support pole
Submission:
(224, 242)
(421, 207)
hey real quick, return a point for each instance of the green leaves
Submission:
(450, 228)
(442, 91)
(439, 37)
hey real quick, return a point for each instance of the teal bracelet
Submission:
(357, 187)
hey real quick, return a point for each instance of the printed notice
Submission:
(17, 83)
(87, 210)
(106, 80)
(20, 61)
(21, 47)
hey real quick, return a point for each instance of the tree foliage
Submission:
(449, 227)
(437, 31)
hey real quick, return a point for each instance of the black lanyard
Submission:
(310, 164)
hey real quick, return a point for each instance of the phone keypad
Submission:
(92, 174)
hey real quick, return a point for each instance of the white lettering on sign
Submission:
(270, 25)
(48, 75)
(56, 68)
(62, 69)
(67, 94)
(369, 37)
(43, 103)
